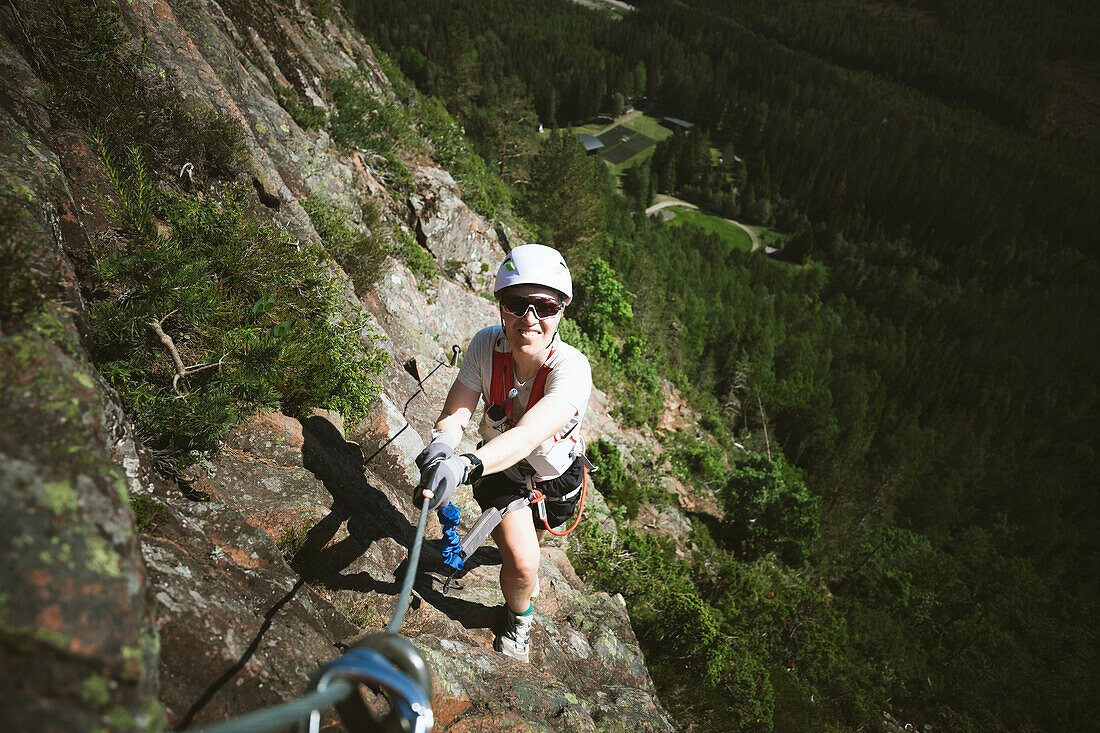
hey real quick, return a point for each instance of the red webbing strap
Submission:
(537, 497)
(501, 381)
(540, 382)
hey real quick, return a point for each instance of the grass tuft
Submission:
(361, 254)
(306, 115)
(148, 513)
(216, 314)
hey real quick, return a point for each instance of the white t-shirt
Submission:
(570, 380)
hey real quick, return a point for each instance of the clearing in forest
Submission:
(727, 230)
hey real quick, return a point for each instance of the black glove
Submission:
(442, 446)
(441, 478)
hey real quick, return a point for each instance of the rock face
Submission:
(455, 235)
(76, 635)
(72, 607)
(130, 601)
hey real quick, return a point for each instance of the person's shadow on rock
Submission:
(340, 466)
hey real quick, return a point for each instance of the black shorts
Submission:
(498, 490)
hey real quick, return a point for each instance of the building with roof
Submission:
(676, 122)
(592, 144)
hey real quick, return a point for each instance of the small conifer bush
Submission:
(204, 313)
(362, 254)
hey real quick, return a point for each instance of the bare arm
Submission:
(548, 416)
(457, 410)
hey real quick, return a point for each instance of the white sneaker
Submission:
(514, 639)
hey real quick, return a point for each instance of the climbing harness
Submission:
(539, 500)
(455, 553)
(387, 661)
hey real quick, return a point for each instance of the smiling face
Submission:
(530, 335)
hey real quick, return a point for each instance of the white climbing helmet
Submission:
(535, 264)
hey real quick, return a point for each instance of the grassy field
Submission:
(594, 130)
(644, 124)
(649, 126)
(732, 233)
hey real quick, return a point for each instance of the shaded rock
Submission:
(240, 630)
(71, 610)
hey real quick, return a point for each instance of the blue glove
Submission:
(442, 446)
(441, 478)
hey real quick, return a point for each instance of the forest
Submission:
(904, 399)
(897, 411)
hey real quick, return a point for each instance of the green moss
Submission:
(121, 490)
(102, 558)
(133, 659)
(55, 639)
(96, 690)
(151, 718)
(61, 555)
(119, 718)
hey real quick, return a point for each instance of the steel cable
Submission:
(285, 714)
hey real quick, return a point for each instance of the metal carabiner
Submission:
(410, 702)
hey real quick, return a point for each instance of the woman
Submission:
(536, 390)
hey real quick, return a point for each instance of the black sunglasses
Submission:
(518, 305)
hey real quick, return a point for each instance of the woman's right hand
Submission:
(440, 480)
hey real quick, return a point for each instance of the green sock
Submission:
(528, 612)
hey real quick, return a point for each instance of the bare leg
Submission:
(519, 550)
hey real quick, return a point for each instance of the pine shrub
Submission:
(252, 316)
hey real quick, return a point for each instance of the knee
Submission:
(526, 564)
